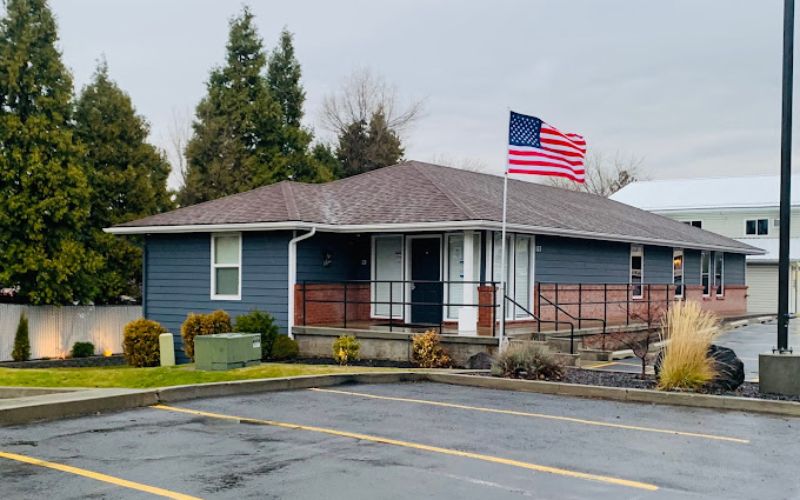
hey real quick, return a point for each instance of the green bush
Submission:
(140, 342)
(203, 324)
(259, 322)
(22, 344)
(427, 351)
(528, 361)
(346, 349)
(284, 348)
(82, 350)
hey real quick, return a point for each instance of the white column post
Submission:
(468, 315)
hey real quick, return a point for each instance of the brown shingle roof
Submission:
(415, 192)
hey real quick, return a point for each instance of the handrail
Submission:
(571, 316)
(538, 319)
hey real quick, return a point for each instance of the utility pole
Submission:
(786, 177)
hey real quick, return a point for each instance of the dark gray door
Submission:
(425, 259)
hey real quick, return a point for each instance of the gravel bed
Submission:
(632, 381)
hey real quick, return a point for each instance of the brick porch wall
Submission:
(317, 313)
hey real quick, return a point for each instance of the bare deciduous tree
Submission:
(179, 132)
(464, 163)
(605, 176)
(362, 95)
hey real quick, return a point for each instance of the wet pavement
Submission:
(751, 340)
(406, 441)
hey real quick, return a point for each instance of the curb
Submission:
(786, 408)
(71, 404)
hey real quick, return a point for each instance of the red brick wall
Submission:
(331, 313)
(733, 303)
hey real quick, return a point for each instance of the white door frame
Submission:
(407, 269)
(372, 273)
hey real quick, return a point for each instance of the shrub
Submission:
(82, 350)
(688, 330)
(203, 324)
(22, 343)
(346, 349)
(427, 351)
(284, 348)
(528, 361)
(259, 322)
(140, 342)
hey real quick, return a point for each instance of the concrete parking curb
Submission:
(787, 408)
(70, 404)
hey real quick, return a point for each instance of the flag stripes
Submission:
(538, 148)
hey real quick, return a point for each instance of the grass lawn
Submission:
(158, 377)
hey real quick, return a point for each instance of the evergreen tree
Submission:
(367, 146)
(127, 177)
(22, 342)
(44, 194)
(238, 128)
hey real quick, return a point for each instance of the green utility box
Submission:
(225, 351)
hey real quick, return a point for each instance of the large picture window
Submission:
(677, 271)
(637, 271)
(387, 276)
(226, 267)
(705, 271)
(519, 272)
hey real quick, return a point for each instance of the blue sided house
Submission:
(416, 245)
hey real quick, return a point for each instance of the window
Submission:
(756, 227)
(677, 271)
(694, 223)
(719, 271)
(226, 268)
(387, 275)
(705, 271)
(519, 285)
(637, 271)
(456, 271)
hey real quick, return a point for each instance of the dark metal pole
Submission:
(786, 176)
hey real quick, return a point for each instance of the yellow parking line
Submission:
(124, 483)
(418, 446)
(538, 415)
(602, 365)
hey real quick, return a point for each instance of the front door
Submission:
(425, 266)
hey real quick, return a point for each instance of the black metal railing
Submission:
(539, 322)
(619, 301)
(406, 286)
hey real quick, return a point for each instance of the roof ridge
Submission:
(288, 198)
(453, 199)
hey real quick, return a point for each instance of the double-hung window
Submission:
(637, 271)
(677, 271)
(719, 273)
(705, 271)
(226, 266)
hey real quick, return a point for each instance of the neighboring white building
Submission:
(745, 208)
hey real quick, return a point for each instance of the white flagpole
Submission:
(502, 338)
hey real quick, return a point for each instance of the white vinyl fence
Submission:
(53, 330)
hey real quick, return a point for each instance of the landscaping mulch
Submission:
(91, 361)
(633, 381)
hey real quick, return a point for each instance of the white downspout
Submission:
(293, 275)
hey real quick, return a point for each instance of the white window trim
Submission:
(710, 273)
(756, 235)
(675, 252)
(215, 266)
(719, 256)
(689, 222)
(630, 272)
(373, 276)
(446, 270)
(489, 250)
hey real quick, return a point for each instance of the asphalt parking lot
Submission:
(404, 441)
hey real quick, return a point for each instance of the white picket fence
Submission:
(53, 330)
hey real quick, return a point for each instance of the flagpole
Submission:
(503, 273)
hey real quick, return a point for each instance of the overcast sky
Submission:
(692, 87)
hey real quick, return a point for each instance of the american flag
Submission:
(534, 147)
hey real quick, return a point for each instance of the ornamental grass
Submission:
(688, 331)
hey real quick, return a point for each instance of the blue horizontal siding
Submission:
(350, 254)
(570, 260)
(734, 269)
(178, 278)
(657, 264)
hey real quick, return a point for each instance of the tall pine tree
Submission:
(127, 177)
(367, 146)
(44, 194)
(238, 126)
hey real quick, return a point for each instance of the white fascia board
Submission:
(421, 227)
